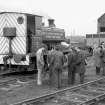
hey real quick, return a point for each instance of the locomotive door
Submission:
(30, 24)
(30, 31)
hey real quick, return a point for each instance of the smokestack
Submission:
(51, 22)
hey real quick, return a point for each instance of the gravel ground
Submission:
(26, 86)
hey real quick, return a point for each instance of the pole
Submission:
(99, 39)
(10, 52)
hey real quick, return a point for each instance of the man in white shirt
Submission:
(40, 64)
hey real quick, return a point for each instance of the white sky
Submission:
(77, 17)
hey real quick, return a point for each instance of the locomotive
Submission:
(21, 34)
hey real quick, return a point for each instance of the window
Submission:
(102, 29)
(20, 20)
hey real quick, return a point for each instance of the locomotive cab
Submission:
(17, 31)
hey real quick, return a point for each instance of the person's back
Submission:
(58, 59)
(80, 65)
(72, 58)
(81, 62)
(55, 66)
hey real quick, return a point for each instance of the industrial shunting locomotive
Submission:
(21, 34)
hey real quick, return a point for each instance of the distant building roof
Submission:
(102, 17)
(77, 38)
(73, 42)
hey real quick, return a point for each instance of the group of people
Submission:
(56, 60)
(75, 59)
(99, 58)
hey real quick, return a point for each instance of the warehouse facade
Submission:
(96, 39)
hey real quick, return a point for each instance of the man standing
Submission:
(103, 59)
(71, 67)
(97, 52)
(80, 64)
(40, 65)
(55, 62)
(76, 64)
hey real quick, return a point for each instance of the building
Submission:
(96, 39)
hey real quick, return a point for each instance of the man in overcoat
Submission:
(55, 62)
(76, 64)
(80, 64)
(71, 66)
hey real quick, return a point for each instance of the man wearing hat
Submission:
(76, 64)
(80, 64)
(71, 65)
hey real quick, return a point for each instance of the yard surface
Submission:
(26, 87)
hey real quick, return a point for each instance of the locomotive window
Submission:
(20, 20)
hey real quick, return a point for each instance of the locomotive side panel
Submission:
(19, 22)
(4, 45)
(13, 20)
(18, 43)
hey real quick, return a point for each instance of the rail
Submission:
(83, 94)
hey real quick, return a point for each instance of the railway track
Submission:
(89, 93)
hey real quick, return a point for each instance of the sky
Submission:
(76, 17)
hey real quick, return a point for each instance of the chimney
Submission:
(51, 22)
